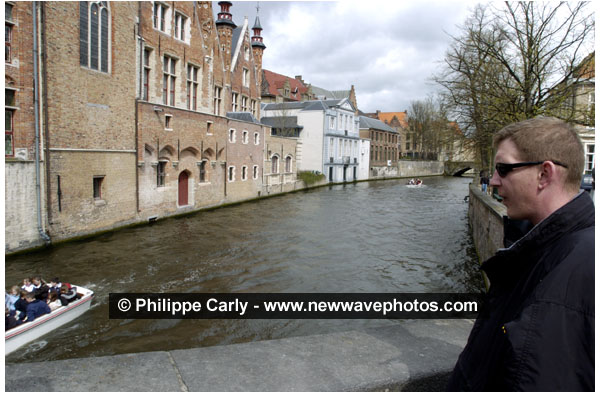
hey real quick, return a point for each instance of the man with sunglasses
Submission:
(535, 331)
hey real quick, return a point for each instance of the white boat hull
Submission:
(27, 332)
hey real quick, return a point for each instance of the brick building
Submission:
(140, 114)
(278, 88)
(25, 224)
(191, 154)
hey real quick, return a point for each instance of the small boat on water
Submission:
(30, 331)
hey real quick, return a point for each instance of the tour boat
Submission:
(30, 331)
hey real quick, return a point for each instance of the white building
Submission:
(328, 140)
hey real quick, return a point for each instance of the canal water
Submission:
(371, 237)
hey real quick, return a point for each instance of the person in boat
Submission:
(67, 294)
(411, 181)
(12, 297)
(10, 321)
(54, 301)
(55, 286)
(27, 285)
(35, 308)
(21, 304)
(41, 288)
(419, 182)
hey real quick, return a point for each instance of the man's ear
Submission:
(547, 175)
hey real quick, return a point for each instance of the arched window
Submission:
(288, 164)
(274, 165)
(94, 27)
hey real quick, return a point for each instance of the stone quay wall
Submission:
(408, 168)
(486, 221)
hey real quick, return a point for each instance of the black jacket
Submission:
(535, 331)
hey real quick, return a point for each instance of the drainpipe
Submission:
(36, 103)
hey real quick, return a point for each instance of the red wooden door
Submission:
(183, 188)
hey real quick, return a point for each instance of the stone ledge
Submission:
(402, 355)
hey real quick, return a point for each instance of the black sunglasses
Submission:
(504, 168)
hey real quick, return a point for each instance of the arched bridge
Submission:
(457, 168)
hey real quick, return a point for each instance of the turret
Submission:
(258, 48)
(225, 28)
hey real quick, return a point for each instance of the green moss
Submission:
(310, 178)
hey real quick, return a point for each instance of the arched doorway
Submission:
(183, 188)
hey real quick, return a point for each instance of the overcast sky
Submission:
(387, 49)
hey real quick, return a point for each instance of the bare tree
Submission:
(513, 63)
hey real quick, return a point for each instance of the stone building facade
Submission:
(280, 164)
(384, 141)
(133, 114)
(328, 140)
(190, 153)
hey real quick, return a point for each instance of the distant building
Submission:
(384, 145)
(278, 88)
(324, 94)
(407, 142)
(328, 140)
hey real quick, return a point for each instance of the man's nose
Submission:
(495, 181)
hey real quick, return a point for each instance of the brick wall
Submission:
(91, 123)
(80, 213)
(19, 77)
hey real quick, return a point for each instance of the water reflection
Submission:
(366, 237)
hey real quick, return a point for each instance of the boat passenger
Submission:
(10, 320)
(27, 285)
(41, 288)
(54, 301)
(12, 297)
(67, 294)
(55, 286)
(21, 304)
(35, 308)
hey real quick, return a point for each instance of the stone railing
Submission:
(487, 223)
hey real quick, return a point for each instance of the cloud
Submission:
(387, 50)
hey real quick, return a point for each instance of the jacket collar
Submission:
(577, 214)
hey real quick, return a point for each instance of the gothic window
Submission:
(217, 100)
(94, 25)
(169, 80)
(192, 87)
(275, 165)
(203, 171)
(158, 17)
(245, 77)
(160, 173)
(288, 164)
(234, 102)
(9, 112)
(180, 22)
(146, 76)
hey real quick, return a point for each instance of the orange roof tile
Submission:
(387, 117)
(277, 81)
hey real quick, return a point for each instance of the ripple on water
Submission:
(366, 237)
